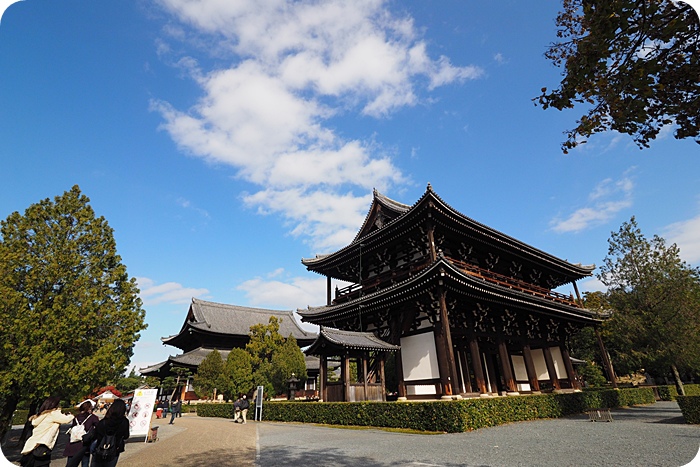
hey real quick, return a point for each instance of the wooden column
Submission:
(364, 375)
(445, 351)
(382, 357)
(491, 369)
(530, 368)
(569, 367)
(505, 365)
(476, 364)
(606, 360)
(328, 290)
(550, 368)
(431, 239)
(345, 376)
(322, 370)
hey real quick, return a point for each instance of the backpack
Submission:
(106, 448)
(77, 431)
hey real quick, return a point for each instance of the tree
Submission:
(635, 62)
(173, 382)
(273, 357)
(130, 382)
(210, 374)
(655, 297)
(69, 313)
(238, 374)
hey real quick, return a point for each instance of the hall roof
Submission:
(387, 219)
(190, 359)
(456, 281)
(234, 320)
(337, 338)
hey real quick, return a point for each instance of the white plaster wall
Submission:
(540, 364)
(419, 357)
(558, 362)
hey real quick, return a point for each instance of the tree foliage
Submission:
(655, 298)
(210, 374)
(238, 374)
(634, 62)
(69, 313)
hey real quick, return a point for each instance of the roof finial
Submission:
(430, 187)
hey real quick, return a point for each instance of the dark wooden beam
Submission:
(476, 364)
(550, 368)
(505, 366)
(569, 368)
(530, 368)
(606, 359)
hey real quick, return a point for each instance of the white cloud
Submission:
(607, 199)
(168, 292)
(592, 284)
(685, 234)
(297, 65)
(289, 294)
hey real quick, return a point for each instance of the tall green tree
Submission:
(273, 357)
(634, 64)
(655, 297)
(69, 312)
(238, 374)
(210, 374)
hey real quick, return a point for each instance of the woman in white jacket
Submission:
(37, 449)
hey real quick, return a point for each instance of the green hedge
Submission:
(669, 393)
(690, 406)
(447, 416)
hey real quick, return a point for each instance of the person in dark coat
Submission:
(175, 408)
(115, 422)
(77, 452)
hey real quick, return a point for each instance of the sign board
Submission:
(141, 411)
(259, 403)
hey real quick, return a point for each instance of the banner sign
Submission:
(141, 411)
(258, 404)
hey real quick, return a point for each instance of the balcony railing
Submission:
(405, 271)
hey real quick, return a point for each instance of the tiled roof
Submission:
(350, 340)
(237, 320)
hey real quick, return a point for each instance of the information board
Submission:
(259, 403)
(141, 411)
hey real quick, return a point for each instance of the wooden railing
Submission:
(513, 283)
(354, 290)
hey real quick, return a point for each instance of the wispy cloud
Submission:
(685, 234)
(607, 199)
(168, 292)
(298, 64)
(288, 294)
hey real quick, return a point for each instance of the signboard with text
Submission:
(141, 411)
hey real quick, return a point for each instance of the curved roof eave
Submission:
(543, 304)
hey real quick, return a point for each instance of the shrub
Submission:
(690, 406)
(669, 392)
(447, 416)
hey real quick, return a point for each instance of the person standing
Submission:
(175, 408)
(76, 451)
(242, 409)
(37, 449)
(114, 424)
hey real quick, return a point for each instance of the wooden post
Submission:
(399, 374)
(382, 357)
(505, 364)
(445, 351)
(364, 374)
(550, 368)
(345, 376)
(431, 241)
(322, 370)
(476, 364)
(569, 367)
(530, 368)
(491, 369)
(328, 290)
(606, 360)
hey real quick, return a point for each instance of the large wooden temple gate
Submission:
(473, 310)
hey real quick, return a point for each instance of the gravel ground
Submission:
(654, 435)
(640, 436)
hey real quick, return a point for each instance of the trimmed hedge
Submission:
(447, 416)
(690, 406)
(669, 392)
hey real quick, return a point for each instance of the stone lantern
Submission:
(292, 387)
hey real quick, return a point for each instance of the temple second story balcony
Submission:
(389, 278)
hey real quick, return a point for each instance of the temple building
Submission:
(468, 310)
(210, 325)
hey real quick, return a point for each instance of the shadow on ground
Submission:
(218, 457)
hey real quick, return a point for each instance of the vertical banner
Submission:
(258, 404)
(141, 411)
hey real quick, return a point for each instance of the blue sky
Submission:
(224, 141)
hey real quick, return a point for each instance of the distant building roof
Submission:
(348, 340)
